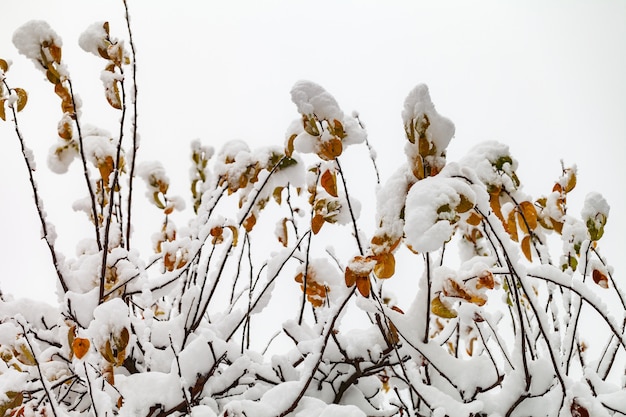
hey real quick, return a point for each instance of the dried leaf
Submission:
(289, 147)
(600, 279)
(363, 285)
(123, 340)
(578, 410)
(80, 347)
(465, 204)
(15, 399)
(526, 248)
(474, 219)
(316, 223)
(329, 182)
(4, 66)
(249, 223)
(112, 93)
(529, 211)
(485, 280)
(235, 233)
(330, 149)
(277, 194)
(438, 308)
(571, 180)
(494, 202)
(22, 98)
(385, 265)
(281, 231)
(3, 115)
(511, 226)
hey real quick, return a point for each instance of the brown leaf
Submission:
(22, 98)
(600, 279)
(578, 410)
(363, 285)
(316, 223)
(3, 115)
(474, 219)
(80, 347)
(526, 248)
(329, 182)
(4, 66)
(249, 223)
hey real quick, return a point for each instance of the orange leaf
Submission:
(494, 202)
(485, 280)
(363, 285)
(22, 98)
(600, 279)
(349, 276)
(329, 182)
(526, 248)
(4, 66)
(385, 265)
(3, 115)
(235, 233)
(474, 219)
(249, 223)
(330, 149)
(511, 226)
(529, 212)
(316, 223)
(80, 347)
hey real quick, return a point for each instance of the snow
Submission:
(29, 37)
(431, 211)
(312, 99)
(418, 105)
(94, 38)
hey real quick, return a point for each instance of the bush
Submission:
(273, 300)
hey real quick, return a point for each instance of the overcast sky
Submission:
(546, 79)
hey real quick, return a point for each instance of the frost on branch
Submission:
(243, 310)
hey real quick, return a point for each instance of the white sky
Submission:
(546, 79)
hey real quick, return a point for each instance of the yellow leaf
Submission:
(235, 233)
(80, 347)
(329, 182)
(526, 248)
(438, 308)
(289, 147)
(385, 265)
(278, 195)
